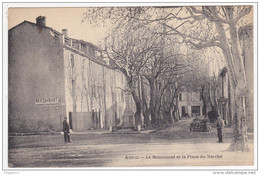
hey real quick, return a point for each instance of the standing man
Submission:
(66, 130)
(220, 125)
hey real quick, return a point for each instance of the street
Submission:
(173, 146)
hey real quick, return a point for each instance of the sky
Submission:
(58, 19)
(70, 19)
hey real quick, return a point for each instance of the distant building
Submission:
(224, 96)
(51, 75)
(190, 102)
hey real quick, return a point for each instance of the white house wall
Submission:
(190, 99)
(103, 90)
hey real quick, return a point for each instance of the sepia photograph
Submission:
(131, 86)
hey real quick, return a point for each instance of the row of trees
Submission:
(147, 44)
(154, 64)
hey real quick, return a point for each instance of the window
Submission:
(94, 94)
(84, 48)
(72, 60)
(180, 97)
(195, 96)
(195, 110)
(75, 44)
(201, 96)
(73, 87)
(183, 110)
(91, 51)
(122, 96)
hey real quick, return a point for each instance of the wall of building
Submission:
(224, 96)
(99, 92)
(33, 73)
(44, 64)
(189, 100)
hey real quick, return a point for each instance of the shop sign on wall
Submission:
(51, 101)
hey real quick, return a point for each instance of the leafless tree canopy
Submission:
(163, 48)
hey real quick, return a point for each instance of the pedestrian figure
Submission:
(66, 130)
(220, 125)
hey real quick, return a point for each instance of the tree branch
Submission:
(243, 12)
(201, 45)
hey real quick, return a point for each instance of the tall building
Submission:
(51, 75)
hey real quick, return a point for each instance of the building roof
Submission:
(56, 32)
(34, 25)
(91, 58)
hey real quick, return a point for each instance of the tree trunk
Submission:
(230, 103)
(138, 120)
(212, 106)
(145, 109)
(152, 102)
(240, 141)
(172, 106)
(177, 114)
(204, 107)
(167, 105)
(237, 76)
(138, 111)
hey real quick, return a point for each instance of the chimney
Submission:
(65, 32)
(40, 20)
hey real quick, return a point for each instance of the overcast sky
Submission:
(58, 19)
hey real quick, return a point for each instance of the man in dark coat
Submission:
(66, 130)
(220, 125)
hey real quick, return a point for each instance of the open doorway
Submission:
(183, 111)
(70, 120)
(195, 111)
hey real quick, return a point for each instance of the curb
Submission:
(31, 134)
(83, 133)
(133, 132)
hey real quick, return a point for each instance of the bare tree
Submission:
(128, 52)
(203, 27)
(215, 26)
(137, 52)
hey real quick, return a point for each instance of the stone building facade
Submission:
(190, 102)
(51, 75)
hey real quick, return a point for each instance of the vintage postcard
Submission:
(153, 85)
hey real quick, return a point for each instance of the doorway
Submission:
(183, 111)
(70, 120)
(195, 111)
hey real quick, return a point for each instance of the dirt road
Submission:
(173, 146)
